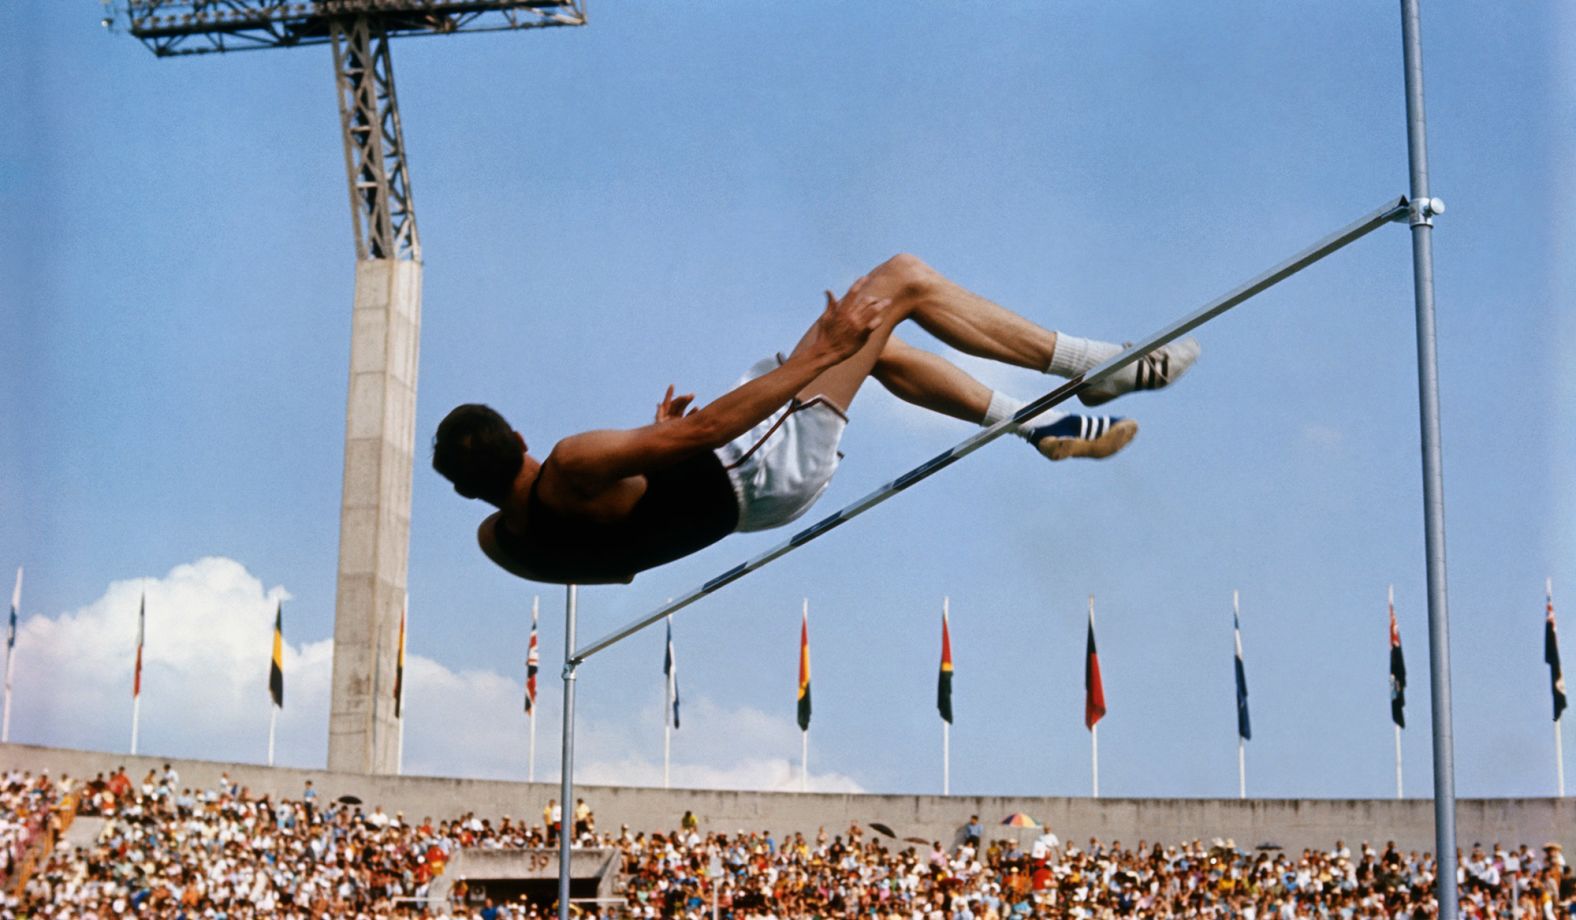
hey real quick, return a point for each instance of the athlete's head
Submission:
(477, 451)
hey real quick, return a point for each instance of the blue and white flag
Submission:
(1244, 728)
(670, 670)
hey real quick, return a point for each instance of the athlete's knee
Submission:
(908, 274)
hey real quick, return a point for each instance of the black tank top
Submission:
(686, 507)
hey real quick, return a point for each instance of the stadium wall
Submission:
(1290, 823)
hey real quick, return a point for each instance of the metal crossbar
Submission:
(1393, 210)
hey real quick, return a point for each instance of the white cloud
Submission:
(205, 694)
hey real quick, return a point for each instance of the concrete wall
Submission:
(1291, 823)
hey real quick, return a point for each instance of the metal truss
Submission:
(176, 27)
(380, 202)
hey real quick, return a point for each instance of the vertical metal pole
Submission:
(1094, 760)
(1399, 789)
(1423, 209)
(566, 788)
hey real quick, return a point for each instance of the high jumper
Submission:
(605, 505)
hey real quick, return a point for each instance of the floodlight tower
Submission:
(374, 516)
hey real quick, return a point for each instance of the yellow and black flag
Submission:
(804, 671)
(399, 667)
(276, 671)
(944, 682)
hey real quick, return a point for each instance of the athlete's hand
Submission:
(846, 324)
(673, 408)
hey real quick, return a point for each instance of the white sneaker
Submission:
(1160, 368)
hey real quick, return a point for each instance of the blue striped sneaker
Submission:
(1092, 436)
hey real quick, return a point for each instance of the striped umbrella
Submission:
(1019, 819)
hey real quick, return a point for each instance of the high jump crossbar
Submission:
(1398, 209)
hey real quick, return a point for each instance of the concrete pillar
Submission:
(374, 516)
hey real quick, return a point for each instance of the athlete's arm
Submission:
(592, 461)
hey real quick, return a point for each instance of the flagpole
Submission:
(10, 656)
(804, 731)
(804, 760)
(399, 750)
(273, 720)
(1559, 758)
(1559, 742)
(1398, 788)
(530, 774)
(1242, 747)
(136, 687)
(946, 727)
(1094, 758)
(1094, 730)
(667, 719)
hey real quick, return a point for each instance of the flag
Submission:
(399, 663)
(1244, 727)
(1397, 674)
(136, 680)
(944, 681)
(16, 601)
(533, 660)
(670, 670)
(1551, 656)
(1094, 690)
(804, 673)
(276, 671)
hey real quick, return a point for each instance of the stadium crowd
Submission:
(165, 850)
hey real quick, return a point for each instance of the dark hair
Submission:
(477, 451)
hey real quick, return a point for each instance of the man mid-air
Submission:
(605, 505)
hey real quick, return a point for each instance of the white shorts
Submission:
(782, 465)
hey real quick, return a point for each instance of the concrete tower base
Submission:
(374, 517)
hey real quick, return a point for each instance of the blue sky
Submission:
(659, 198)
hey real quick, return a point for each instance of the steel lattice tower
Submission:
(374, 522)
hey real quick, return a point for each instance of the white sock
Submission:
(1003, 407)
(1073, 356)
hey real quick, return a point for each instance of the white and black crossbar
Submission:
(1394, 210)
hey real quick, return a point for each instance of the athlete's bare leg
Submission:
(931, 382)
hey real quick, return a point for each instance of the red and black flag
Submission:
(1094, 690)
(276, 668)
(944, 681)
(804, 671)
(1397, 674)
(1551, 655)
(136, 678)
